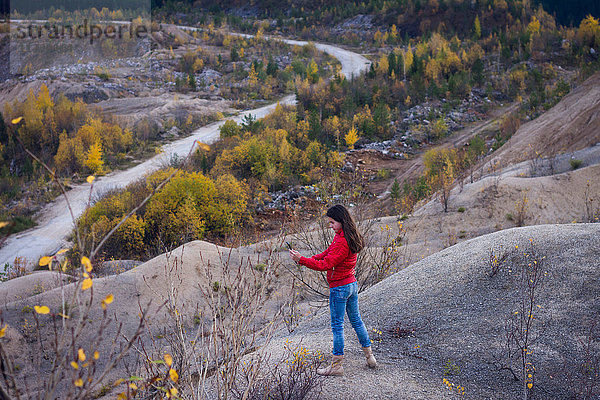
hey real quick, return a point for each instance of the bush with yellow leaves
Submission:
(190, 206)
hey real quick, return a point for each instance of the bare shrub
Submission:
(208, 341)
(592, 206)
(497, 258)
(521, 214)
(294, 377)
(521, 328)
(583, 382)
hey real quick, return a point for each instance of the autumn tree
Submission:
(312, 71)
(439, 128)
(70, 156)
(440, 172)
(408, 58)
(476, 28)
(252, 77)
(383, 65)
(229, 129)
(94, 159)
(475, 151)
(589, 32)
(351, 138)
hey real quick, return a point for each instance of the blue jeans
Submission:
(345, 299)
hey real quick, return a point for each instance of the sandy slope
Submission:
(146, 287)
(491, 204)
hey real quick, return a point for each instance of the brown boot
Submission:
(371, 362)
(335, 369)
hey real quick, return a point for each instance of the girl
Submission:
(339, 261)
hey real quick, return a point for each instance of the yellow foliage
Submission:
(477, 28)
(351, 137)
(433, 69)
(451, 62)
(421, 49)
(41, 309)
(475, 52)
(252, 76)
(191, 203)
(198, 64)
(259, 34)
(534, 26)
(435, 159)
(378, 37)
(44, 101)
(107, 300)
(393, 32)
(168, 359)
(94, 159)
(45, 261)
(437, 43)
(173, 375)
(87, 283)
(312, 71)
(589, 31)
(408, 58)
(383, 65)
(81, 355)
(335, 159)
(86, 263)
(70, 156)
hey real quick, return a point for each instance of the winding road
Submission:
(55, 222)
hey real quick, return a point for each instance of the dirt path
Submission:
(55, 221)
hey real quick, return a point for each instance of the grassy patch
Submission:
(575, 163)
(17, 224)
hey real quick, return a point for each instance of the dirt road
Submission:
(55, 221)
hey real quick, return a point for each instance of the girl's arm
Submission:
(321, 255)
(296, 256)
(334, 255)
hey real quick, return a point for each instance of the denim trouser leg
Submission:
(344, 299)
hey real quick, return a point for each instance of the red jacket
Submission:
(337, 260)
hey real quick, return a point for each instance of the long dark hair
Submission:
(340, 214)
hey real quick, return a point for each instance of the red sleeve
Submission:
(334, 255)
(321, 256)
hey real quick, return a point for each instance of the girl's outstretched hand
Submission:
(295, 255)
